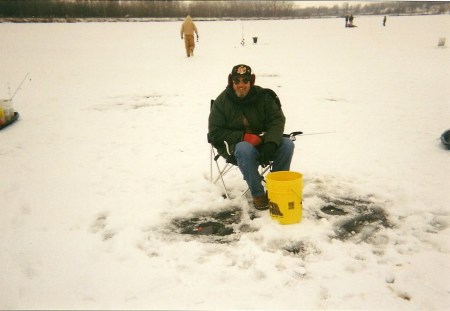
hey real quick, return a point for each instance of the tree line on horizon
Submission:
(208, 9)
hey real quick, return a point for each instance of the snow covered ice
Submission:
(111, 149)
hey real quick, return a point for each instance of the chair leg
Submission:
(226, 168)
(220, 172)
(211, 164)
(223, 182)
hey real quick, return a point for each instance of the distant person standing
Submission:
(188, 29)
(384, 21)
(350, 21)
(346, 20)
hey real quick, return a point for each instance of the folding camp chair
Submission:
(226, 166)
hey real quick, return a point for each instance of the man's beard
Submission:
(241, 93)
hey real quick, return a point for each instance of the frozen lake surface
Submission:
(110, 156)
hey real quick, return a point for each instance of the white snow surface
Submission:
(111, 148)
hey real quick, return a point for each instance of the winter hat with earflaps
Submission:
(241, 71)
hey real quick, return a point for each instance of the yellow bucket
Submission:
(284, 189)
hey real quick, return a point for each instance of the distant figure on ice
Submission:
(187, 30)
(350, 21)
(246, 125)
(384, 21)
(346, 20)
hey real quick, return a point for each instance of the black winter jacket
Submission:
(260, 107)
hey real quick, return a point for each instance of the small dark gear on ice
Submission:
(214, 228)
(331, 209)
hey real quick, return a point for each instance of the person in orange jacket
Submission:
(188, 29)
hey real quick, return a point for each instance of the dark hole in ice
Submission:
(214, 223)
(354, 225)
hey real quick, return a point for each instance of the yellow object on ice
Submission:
(284, 189)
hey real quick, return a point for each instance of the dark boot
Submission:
(261, 203)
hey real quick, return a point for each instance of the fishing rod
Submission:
(19, 86)
(318, 133)
(292, 136)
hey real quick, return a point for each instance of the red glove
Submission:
(253, 139)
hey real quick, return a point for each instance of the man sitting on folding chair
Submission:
(246, 125)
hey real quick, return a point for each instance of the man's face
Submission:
(241, 86)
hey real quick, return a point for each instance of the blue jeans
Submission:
(248, 161)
